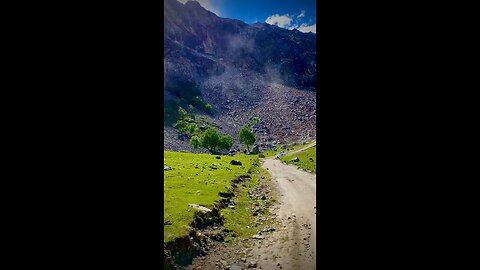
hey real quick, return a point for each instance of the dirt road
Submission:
(293, 245)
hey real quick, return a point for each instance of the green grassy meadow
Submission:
(307, 159)
(186, 184)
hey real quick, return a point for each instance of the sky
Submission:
(289, 14)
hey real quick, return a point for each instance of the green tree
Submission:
(208, 108)
(225, 142)
(252, 123)
(195, 142)
(246, 137)
(182, 113)
(181, 126)
(210, 139)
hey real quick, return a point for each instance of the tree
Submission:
(182, 113)
(225, 142)
(181, 126)
(208, 108)
(195, 142)
(246, 137)
(210, 139)
(252, 123)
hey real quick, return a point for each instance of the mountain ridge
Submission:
(241, 69)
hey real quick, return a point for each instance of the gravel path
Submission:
(293, 246)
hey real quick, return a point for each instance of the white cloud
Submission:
(207, 4)
(308, 28)
(279, 20)
(302, 14)
(305, 28)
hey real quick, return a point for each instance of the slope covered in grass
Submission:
(307, 159)
(196, 179)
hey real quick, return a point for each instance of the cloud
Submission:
(279, 20)
(302, 14)
(308, 28)
(305, 28)
(207, 4)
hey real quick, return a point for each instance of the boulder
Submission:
(235, 162)
(295, 159)
(255, 150)
(261, 155)
(217, 157)
(199, 207)
(167, 168)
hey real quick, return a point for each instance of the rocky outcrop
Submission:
(199, 44)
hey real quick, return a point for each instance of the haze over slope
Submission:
(259, 69)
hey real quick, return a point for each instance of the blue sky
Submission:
(289, 14)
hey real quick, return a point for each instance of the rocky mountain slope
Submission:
(243, 71)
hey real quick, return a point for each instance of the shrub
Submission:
(182, 113)
(208, 108)
(225, 142)
(195, 142)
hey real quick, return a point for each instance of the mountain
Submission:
(241, 68)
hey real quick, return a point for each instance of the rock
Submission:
(201, 208)
(311, 159)
(235, 162)
(168, 168)
(261, 155)
(255, 150)
(224, 263)
(284, 146)
(295, 159)
(231, 154)
(252, 264)
(217, 157)
(257, 236)
(168, 222)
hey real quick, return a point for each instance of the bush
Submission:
(195, 142)
(208, 108)
(225, 142)
(182, 113)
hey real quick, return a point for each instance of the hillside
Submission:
(242, 70)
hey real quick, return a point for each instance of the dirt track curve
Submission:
(293, 245)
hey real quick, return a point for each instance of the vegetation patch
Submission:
(244, 220)
(186, 95)
(306, 159)
(196, 179)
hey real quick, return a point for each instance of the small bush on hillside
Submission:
(225, 142)
(195, 142)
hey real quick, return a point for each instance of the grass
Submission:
(185, 184)
(307, 159)
(241, 221)
(289, 148)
